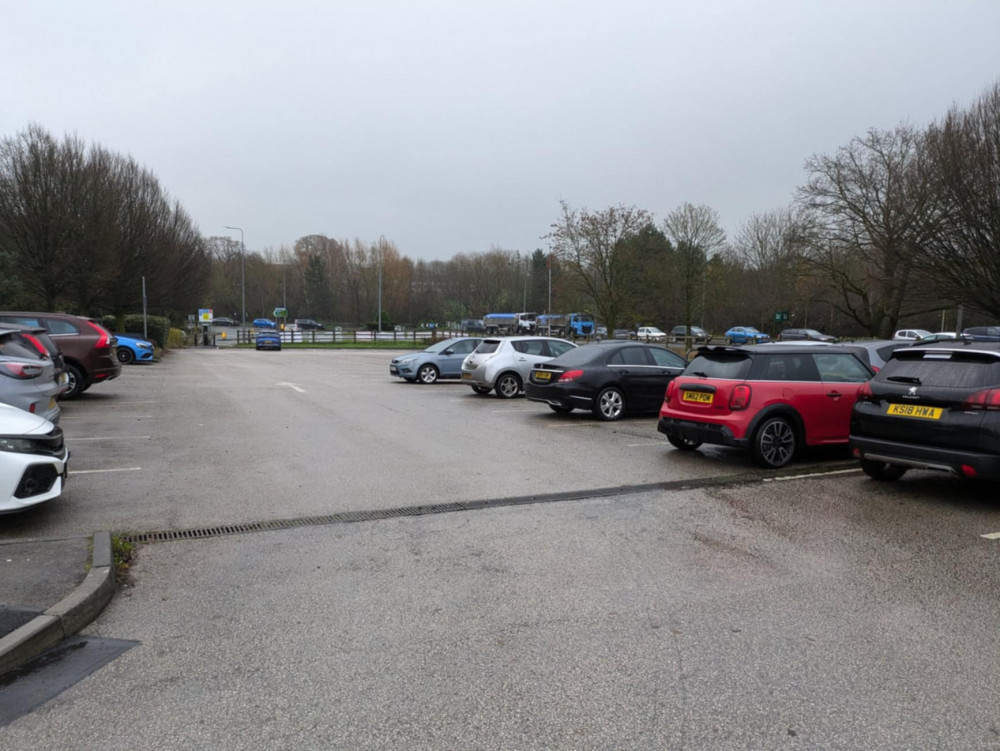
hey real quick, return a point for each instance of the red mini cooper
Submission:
(770, 398)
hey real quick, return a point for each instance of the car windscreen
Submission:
(734, 365)
(951, 369)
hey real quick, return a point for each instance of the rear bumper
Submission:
(984, 466)
(702, 432)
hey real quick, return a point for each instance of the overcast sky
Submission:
(455, 127)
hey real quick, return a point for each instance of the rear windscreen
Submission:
(958, 371)
(719, 365)
(488, 346)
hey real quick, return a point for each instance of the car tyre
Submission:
(684, 444)
(125, 355)
(508, 386)
(482, 390)
(562, 409)
(427, 374)
(77, 382)
(774, 443)
(610, 404)
(882, 471)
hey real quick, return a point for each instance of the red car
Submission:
(771, 399)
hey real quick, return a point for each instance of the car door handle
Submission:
(834, 394)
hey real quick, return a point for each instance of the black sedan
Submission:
(610, 378)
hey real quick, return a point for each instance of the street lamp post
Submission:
(381, 243)
(243, 274)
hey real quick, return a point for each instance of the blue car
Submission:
(130, 349)
(269, 340)
(264, 323)
(441, 360)
(746, 335)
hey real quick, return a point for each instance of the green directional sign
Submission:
(281, 312)
(781, 315)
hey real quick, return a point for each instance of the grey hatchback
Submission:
(442, 359)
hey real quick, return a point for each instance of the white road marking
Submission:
(108, 438)
(104, 415)
(97, 471)
(992, 536)
(812, 474)
(291, 386)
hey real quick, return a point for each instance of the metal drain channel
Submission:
(348, 517)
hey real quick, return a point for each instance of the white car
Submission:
(650, 334)
(33, 460)
(910, 335)
(505, 364)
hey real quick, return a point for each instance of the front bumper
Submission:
(30, 479)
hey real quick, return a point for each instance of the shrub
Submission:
(157, 326)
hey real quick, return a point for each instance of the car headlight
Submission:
(406, 360)
(17, 445)
(144, 345)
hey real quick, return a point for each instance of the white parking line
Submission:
(96, 471)
(109, 438)
(992, 536)
(104, 415)
(291, 386)
(812, 474)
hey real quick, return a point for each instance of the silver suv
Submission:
(504, 364)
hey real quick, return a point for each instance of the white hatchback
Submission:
(33, 460)
(504, 364)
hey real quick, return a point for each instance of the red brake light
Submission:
(103, 339)
(670, 391)
(21, 370)
(739, 398)
(37, 344)
(865, 392)
(988, 399)
(570, 375)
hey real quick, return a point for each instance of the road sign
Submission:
(781, 315)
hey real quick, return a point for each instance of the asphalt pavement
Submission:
(49, 590)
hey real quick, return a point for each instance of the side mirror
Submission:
(448, 351)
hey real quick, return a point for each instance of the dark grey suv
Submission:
(934, 408)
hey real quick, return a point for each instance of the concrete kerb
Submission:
(67, 616)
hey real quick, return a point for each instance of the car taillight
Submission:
(865, 392)
(668, 395)
(21, 370)
(570, 375)
(739, 398)
(988, 399)
(103, 338)
(37, 345)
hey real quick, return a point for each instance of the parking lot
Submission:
(602, 590)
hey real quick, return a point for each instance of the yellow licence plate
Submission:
(466, 375)
(915, 410)
(701, 397)
(542, 375)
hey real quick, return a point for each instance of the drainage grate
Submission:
(347, 517)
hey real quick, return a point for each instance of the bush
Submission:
(157, 326)
(176, 339)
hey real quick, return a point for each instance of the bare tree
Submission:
(593, 246)
(697, 235)
(963, 250)
(870, 207)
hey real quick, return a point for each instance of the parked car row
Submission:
(45, 357)
(898, 406)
